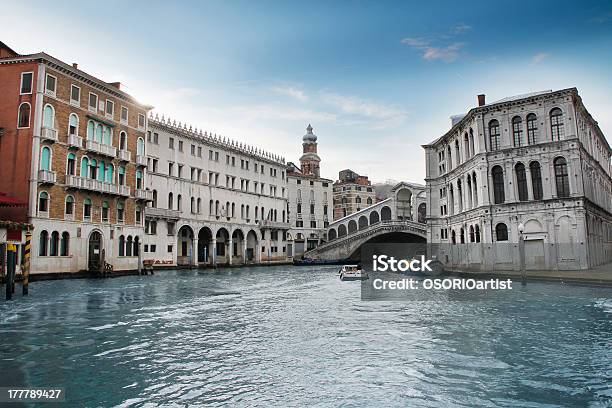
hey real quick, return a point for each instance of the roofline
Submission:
(57, 63)
(3, 45)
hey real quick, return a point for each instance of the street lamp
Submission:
(521, 228)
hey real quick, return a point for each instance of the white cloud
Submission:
(415, 42)
(447, 54)
(295, 93)
(357, 106)
(539, 57)
(461, 29)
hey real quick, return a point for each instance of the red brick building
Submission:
(73, 147)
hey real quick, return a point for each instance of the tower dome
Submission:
(309, 136)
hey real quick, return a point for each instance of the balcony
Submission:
(141, 194)
(141, 160)
(46, 176)
(75, 141)
(97, 147)
(97, 185)
(49, 134)
(124, 155)
(162, 213)
(267, 224)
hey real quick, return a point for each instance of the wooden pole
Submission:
(10, 270)
(26, 264)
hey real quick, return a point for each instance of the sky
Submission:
(376, 79)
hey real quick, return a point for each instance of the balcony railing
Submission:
(141, 194)
(76, 141)
(162, 213)
(124, 155)
(273, 224)
(49, 134)
(98, 147)
(141, 160)
(97, 185)
(47, 176)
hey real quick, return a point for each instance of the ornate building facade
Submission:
(310, 199)
(352, 192)
(215, 201)
(72, 147)
(535, 167)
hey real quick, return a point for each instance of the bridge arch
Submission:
(374, 217)
(341, 230)
(363, 222)
(332, 234)
(385, 214)
(352, 226)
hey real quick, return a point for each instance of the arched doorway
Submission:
(403, 205)
(251, 246)
(185, 246)
(237, 247)
(95, 251)
(222, 246)
(204, 246)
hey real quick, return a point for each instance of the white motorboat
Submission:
(352, 272)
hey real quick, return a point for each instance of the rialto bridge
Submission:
(399, 218)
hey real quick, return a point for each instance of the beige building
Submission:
(352, 193)
(535, 166)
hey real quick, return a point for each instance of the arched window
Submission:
(477, 232)
(71, 164)
(120, 212)
(234, 210)
(101, 171)
(453, 237)
(93, 169)
(460, 195)
(556, 124)
(84, 167)
(475, 189)
(139, 179)
(23, 117)
(107, 135)
(472, 235)
(494, 135)
(121, 245)
(462, 235)
(532, 129)
(121, 176)
(450, 158)
(49, 117)
(155, 199)
(69, 206)
(193, 205)
(472, 150)
(501, 232)
(561, 177)
(87, 209)
(358, 200)
(521, 181)
(170, 201)
(517, 131)
(128, 246)
(138, 215)
(123, 141)
(136, 246)
(73, 124)
(110, 169)
(179, 202)
(536, 180)
(54, 244)
(42, 243)
(90, 130)
(466, 145)
(45, 158)
(99, 133)
(43, 202)
(140, 147)
(199, 207)
(369, 201)
(211, 208)
(65, 244)
(498, 185)
(457, 152)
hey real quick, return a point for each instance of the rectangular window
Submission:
(75, 95)
(141, 121)
(155, 138)
(199, 151)
(110, 108)
(171, 143)
(26, 83)
(50, 84)
(124, 115)
(93, 102)
(193, 150)
(180, 145)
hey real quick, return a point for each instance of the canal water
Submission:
(297, 336)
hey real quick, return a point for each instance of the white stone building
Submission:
(310, 199)
(215, 201)
(537, 163)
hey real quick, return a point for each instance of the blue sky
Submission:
(375, 79)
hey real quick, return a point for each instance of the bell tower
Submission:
(310, 160)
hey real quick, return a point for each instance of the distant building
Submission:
(535, 165)
(310, 199)
(352, 192)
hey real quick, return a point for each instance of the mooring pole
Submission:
(10, 270)
(26, 264)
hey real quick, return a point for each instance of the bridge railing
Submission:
(401, 224)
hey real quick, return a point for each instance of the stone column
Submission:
(244, 250)
(214, 252)
(230, 250)
(529, 183)
(194, 253)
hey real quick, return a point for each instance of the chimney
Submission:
(115, 84)
(481, 100)
(75, 65)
